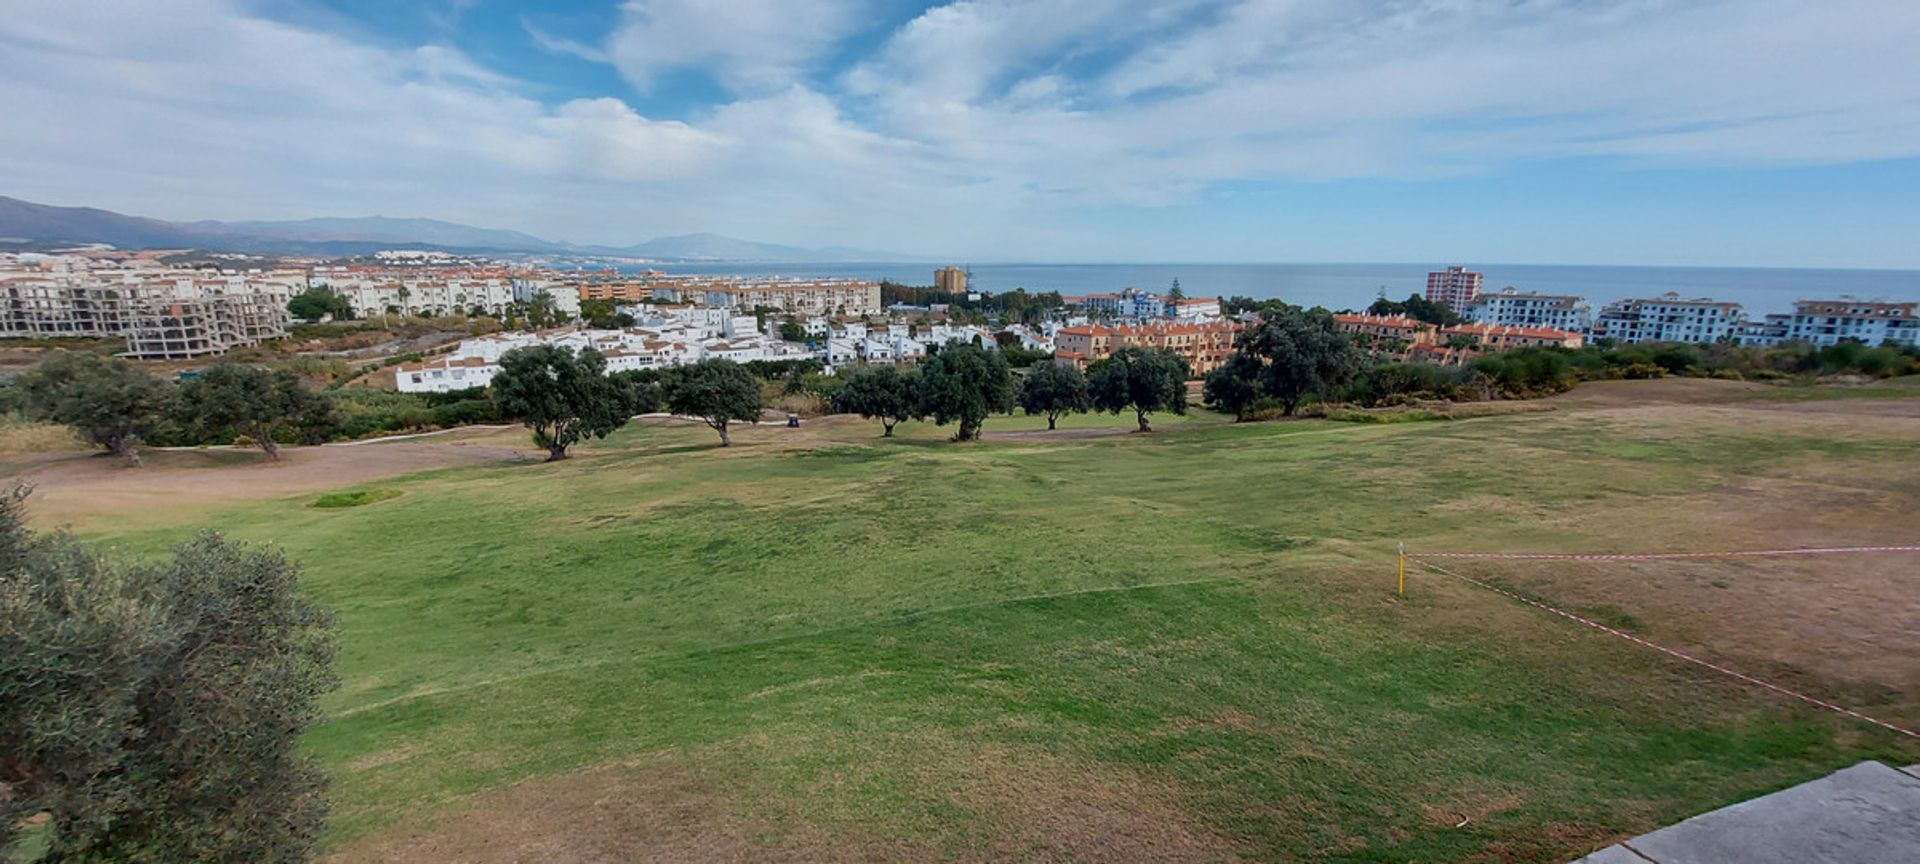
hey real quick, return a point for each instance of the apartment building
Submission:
(1507, 337)
(1455, 286)
(622, 292)
(1135, 303)
(796, 296)
(1205, 345)
(163, 314)
(1667, 318)
(1515, 308)
(950, 279)
(1826, 322)
(1402, 338)
(1385, 328)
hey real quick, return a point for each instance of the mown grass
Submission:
(1210, 605)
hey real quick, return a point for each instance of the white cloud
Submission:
(986, 124)
(561, 45)
(748, 45)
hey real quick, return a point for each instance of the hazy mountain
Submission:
(714, 247)
(27, 221)
(379, 229)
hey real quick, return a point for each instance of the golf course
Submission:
(819, 644)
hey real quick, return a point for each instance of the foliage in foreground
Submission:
(152, 712)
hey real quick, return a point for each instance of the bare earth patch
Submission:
(92, 488)
(1027, 806)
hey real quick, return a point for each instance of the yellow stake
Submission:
(1403, 569)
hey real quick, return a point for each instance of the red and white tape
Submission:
(1664, 556)
(1822, 703)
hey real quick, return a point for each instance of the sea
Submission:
(1352, 286)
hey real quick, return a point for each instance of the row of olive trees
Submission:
(152, 712)
(964, 384)
(566, 397)
(114, 404)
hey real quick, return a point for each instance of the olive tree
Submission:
(1055, 388)
(1234, 388)
(1302, 352)
(1141, 380)
(963, 384)
(109, 401)
(717, 392)
(152, 713)
(880, 392)
(561, 396)
(264, 405)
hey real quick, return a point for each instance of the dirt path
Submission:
(94, 489)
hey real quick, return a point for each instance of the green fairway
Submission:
(857, 632)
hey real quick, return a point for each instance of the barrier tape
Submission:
(1822, 703)
(1663, 556)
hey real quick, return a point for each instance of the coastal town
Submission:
(167, 311)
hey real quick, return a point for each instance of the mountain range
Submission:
(25, 222)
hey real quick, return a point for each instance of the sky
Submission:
(1710, 132)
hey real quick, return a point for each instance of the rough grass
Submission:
(26, 436)
(839, 630)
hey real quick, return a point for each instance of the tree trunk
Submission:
(124, 448)
(1050, 419)
(267, 443)
(556, 452)
(721, 427)
(969, 431)
(1142, 417)
(888, 426)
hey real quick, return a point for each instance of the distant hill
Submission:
(44, 223)
(25, 220)
(380, 229)
(714, 247)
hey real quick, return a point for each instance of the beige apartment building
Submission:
(1205, 345)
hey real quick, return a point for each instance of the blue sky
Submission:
(1739, 132)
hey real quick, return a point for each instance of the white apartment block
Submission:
(1826, 322)
(475, 361)
(1668, 318)
(1511, 307)
(825, 297)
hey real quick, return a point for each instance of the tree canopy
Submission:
(1055, 388)
(965, 383)
(561, 396)
(716, 391)
(266, 406)
(1142, 380)
(318, 302)
(880, 392)
(152, 712)
(1235, 386)
(109, 401)
(1418, 308)
(1301, 353)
